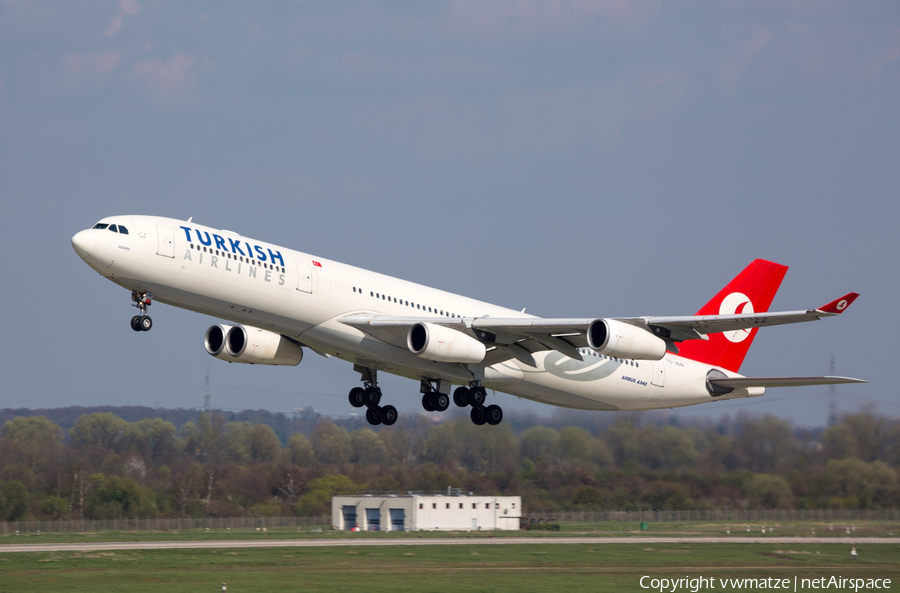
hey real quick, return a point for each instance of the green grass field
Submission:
(609, 528)
(514, 568)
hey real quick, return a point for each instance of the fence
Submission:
(722, 515)
(159, 524)
(223, 523)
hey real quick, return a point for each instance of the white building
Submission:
(426, 512)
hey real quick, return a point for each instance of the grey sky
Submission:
(575, 158)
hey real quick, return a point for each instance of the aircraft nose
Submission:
(82, 243)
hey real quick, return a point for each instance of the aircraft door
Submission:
(304, 279)
(659, 373)
(166, 246)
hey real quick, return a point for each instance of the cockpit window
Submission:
(123, 230)
(113, 228)
(101, 225)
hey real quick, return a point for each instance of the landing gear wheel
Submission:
(141, 300)
(356, 397)
(477, 416)
(440, 401)
(493, 414)
(371, 396)
(373, 416)
(428, 402)
(388, 415)
(461, 397)
(477, 396)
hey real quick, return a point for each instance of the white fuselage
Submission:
(304, 296)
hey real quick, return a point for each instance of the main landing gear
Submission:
(370, 396)
(474, 396)
(142, 300)
(432, 399)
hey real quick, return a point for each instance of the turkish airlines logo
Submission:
(842, 304)
(737, 303)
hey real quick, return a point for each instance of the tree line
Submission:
(105, 466)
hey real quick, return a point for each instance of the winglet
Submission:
(837, 306)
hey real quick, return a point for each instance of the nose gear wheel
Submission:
(142, 321)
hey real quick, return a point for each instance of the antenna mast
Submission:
(832, 406)
(207, 397)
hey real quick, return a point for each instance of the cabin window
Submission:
(448, 505)
(421, 506)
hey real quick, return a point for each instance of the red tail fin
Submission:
(751, 291)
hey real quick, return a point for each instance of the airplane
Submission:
(278, 302)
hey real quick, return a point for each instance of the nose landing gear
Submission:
(142, 300)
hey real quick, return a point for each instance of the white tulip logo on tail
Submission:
(737, 303)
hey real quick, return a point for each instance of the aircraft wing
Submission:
(742, 382)
(391, 329)
(510, 338)
(520, 337)
(697, 326)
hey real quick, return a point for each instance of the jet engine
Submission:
(251, 345)
(443, 344)
(623, 340)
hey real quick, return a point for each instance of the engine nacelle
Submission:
(623, 340)
(443, 344)
(251, 345)
(215, 339)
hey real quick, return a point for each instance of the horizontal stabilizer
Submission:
(742, 382)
